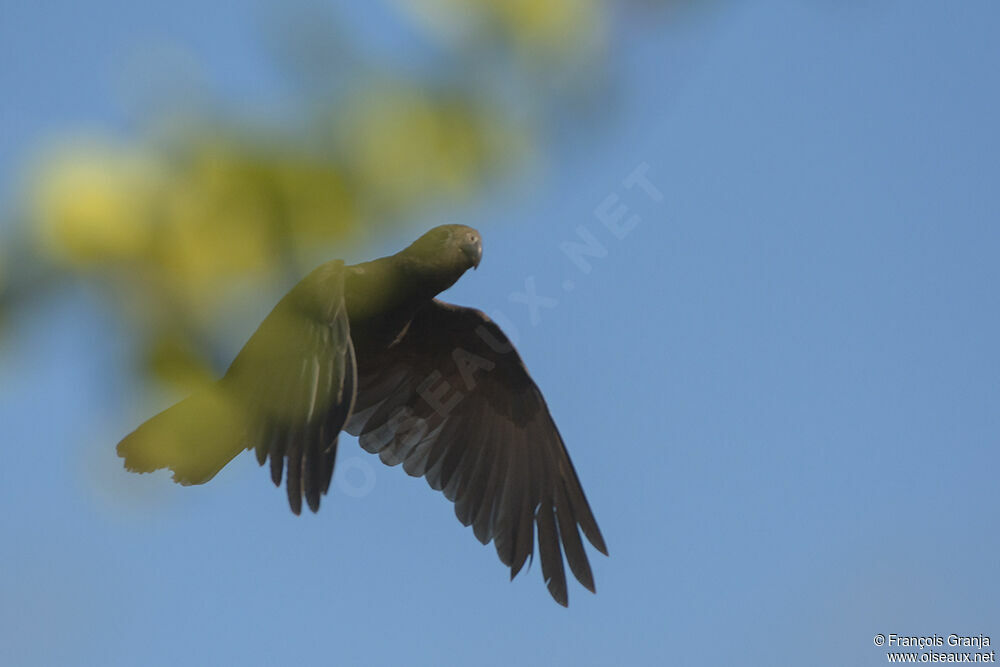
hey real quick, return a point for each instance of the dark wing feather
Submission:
(296, 377)
(453, 402)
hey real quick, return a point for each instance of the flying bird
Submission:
(436, 387)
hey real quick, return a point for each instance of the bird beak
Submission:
(473, 249)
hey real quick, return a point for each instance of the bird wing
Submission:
(287, 394)
(296, 379)
(453, 402)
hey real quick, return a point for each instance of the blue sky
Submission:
(779, 389)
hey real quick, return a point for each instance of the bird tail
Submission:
(195, 438)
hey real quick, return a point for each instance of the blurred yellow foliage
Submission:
(177, 224)
(553, 27)
(174, 226)
(320, 198)
(539, 30)
(210, 209)
(172, 358)
(411, 148)
(90, 204)
(213, 222)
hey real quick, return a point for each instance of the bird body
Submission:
(435, 387)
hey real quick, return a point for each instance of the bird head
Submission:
(443, 254)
